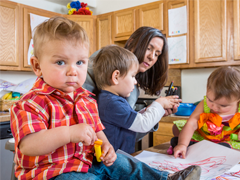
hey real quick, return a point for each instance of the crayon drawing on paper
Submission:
(214, 159)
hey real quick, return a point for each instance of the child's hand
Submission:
(180, 151)
(108, 154)
(169, 101)
(82, 133)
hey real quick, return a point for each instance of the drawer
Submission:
(165, 128)
(159, 139)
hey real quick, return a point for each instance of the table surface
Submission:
(161, 148)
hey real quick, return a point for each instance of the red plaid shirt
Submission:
(45, 107)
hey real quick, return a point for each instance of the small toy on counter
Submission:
(8, 100)
(97, 148)
(7, 96)
(11, 96)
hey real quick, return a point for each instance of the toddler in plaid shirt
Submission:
(56, 123)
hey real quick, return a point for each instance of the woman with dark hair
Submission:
(150, 47)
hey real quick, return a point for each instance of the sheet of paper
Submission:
(4, 85)
(177, 21)
(214, 159)
(30, 51)
(24, 86)
(233, 173)
(35, 20)
(177, 50)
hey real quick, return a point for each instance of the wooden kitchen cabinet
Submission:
(214, 34)
(152, 15)
(10, 36)
(123, 24)
(210, 30)
(164, 132)
(172, 4)
(27, 33)
(89, 24)
(16, 33)
(236, 10)
(104, 30)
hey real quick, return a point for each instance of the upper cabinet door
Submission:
(10, 36)
(174, 4)
(236, 17)
(210, 24)
(27, 33)
(124, 23)
(152, 15)
(89, 24)
(104, 30)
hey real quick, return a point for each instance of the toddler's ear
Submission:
(115, 77)
(36, 66)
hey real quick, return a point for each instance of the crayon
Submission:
(97, 147)
(167, 92)
(175, 92)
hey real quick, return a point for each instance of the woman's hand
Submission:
(171, 111)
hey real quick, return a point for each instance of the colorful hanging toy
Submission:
(75, 7)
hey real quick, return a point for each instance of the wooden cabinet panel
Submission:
(159, 139)
(152, 15)
(89, 24)
(210, 30)
(104, 34)
(10, 36)
(236, 17)
(213, 34)
(173, 4)
(27, 28)
(164, 132)
(124, 23)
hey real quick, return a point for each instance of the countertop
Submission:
(171, 118)
(4, 116)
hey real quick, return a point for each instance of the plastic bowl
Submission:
(185, 109)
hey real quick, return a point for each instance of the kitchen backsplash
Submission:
(175, 76)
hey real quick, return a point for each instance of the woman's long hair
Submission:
(154, 78)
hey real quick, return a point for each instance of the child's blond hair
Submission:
(109, 59)
(225, 82)
(58, 28)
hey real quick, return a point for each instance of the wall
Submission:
(58, 6)
(44, 4)
(194, 83)
(104, 6)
